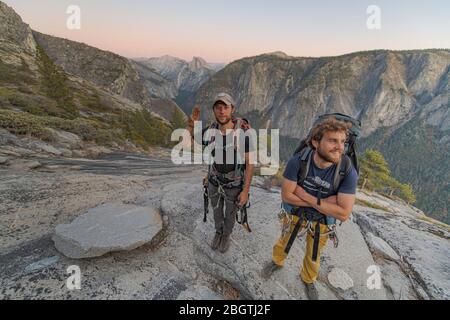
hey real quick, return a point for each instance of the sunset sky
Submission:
(222, 31)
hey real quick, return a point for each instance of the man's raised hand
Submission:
(195, 116)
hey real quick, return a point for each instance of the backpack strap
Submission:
(239, 123)
(305, 162)
(342, 170)
(237, 166)
(210, 138)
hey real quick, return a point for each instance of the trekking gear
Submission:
(243, 220)
(205, 198)
(343, 168)
(233, 179)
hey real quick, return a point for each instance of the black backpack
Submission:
(348, 160)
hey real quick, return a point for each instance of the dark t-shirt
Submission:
(321, 177)
(225, 167)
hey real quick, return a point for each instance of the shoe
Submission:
(224, 243)
(216, 241)
(269, 268)
(311, 291)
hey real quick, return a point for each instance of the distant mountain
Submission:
(401, 97)
(185, 76)
(51, 83)
(107, 70)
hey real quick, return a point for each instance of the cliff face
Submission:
(107, 70)
(102, 68)
(16, 38)
(382, 88)
(402, 99)
(185, 77)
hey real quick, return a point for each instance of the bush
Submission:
(23, 124)
(18, 75)
(143, 129)
(54, 84)
(92, 102)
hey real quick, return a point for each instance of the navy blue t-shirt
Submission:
(320, 177)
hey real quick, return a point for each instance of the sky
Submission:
(222, 31)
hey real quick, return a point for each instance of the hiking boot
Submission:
(224, 243)
(216, 241)
(269, 268)
(311, 291)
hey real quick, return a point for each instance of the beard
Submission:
(222, 123)
(326, 157)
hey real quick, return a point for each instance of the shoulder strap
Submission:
(342, 170)
(239, 169)
(305, 161)
(210, 138)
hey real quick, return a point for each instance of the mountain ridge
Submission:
(384, 89)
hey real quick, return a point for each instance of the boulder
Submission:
(381, 247)
(25, 165)
(423, 247)
(66, 139)
(339, 279)
(107, 228)
(44, 147)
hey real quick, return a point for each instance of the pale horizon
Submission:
(221, 32)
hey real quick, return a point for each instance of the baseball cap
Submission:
(225, 98)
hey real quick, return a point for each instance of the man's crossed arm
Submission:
(339, 207)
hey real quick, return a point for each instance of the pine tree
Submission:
(375, 175)
(407, 193)
(374, 170)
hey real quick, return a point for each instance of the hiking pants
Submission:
(310, 269)
(224, 207)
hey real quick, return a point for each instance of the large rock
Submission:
(44, 147)
(339, 279)
(381, 247)
(423, 247)
(24, 165)
(66, 139)
(107, 228)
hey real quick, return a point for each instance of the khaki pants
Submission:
(310, 269)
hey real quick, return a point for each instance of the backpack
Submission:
(349, 158)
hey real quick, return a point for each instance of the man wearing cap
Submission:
(228, 183)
